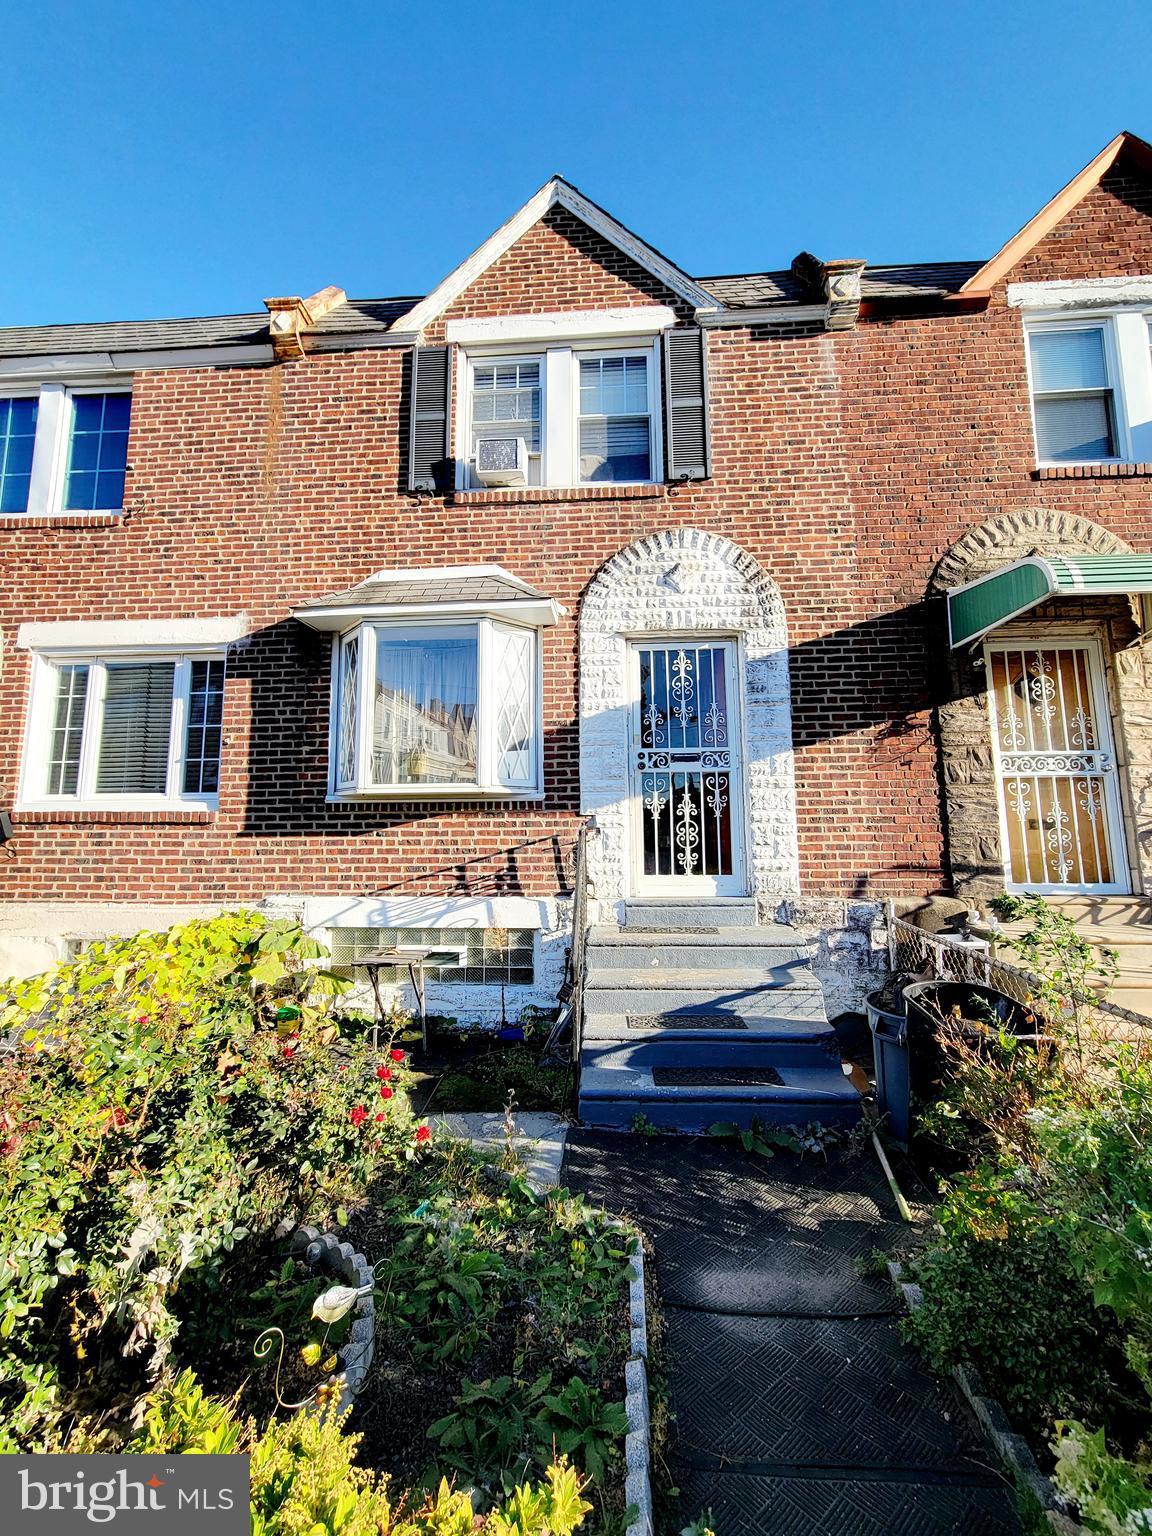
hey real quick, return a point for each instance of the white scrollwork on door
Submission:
(683, 689)
(687, 832)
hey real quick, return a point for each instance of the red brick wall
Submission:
(846, 464)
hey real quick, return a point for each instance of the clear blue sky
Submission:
(172, 157)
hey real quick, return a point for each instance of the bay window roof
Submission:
(474, 590)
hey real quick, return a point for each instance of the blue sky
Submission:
(191, 158)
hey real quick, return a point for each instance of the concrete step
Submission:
(816, 1051)
(726, 949)
(1106, 911)
(611, 1097)
(790, 992)
(715, 912)
(809, 1025)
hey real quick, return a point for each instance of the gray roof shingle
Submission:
(769, 290)
(741, 290)
(444, 589)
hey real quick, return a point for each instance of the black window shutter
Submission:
(428, 466)
(686, 396)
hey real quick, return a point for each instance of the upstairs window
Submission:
(97, 453)
(615, 419)
(436, 708)
(124, 731)
(506, 401)
(17, 440)
(585, 417)
(1073, 395)
(63, 450)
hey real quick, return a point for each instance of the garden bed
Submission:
(175, 1107)
(502, 1329)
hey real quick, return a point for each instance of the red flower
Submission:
(396, 1055)
(385, 1093)
(343, 1066)
(423, 1133)
(358, 1115)
(142, 1018)
(384, 1074)
(379, 1117)
(288, 1052)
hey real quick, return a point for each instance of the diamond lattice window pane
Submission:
(515, 744)
(346, 706)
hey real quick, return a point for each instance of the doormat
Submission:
(637, 928)
(685, 1021)
(716, 1077)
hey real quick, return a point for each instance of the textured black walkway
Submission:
(798, 1410)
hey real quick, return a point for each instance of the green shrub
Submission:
(1001, 1294)
(174, 1095)
(1113, 1497)
(305, 1480)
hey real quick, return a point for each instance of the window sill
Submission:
(1111, 470)
(410, 792)
(63, 520)
(504, 495)
(34, 815)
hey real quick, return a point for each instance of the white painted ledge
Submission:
(1082, 293)
(99, 635)
(563, 325)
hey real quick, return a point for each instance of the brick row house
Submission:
(805, 589)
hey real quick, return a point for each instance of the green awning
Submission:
(991, 600)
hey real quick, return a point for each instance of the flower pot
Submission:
(982, 1009)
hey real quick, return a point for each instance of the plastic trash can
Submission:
(893, 1072)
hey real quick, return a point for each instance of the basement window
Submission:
(490, 956)
(124, 732)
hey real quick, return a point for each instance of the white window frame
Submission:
(1128, 363)
(559, 406)
(53, 441)
(41, 717)
(487, 704)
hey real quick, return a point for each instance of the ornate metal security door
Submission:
(686, 785)
(1059, 796)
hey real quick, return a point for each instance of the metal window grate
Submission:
(492, 956)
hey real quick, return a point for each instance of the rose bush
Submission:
(166, 1098)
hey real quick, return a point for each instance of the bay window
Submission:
(436, 707)
(120, 731)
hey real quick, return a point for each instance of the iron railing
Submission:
(937, 956)
(570, 1019)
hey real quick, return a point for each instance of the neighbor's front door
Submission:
(1056, 770)
(687, 808)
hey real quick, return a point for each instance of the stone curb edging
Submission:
(325, 1251)
(1013, 1450)
(638, 1440)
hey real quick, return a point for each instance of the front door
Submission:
(687, 806)
(1056, 770)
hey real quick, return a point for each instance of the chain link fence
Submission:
(943, 957)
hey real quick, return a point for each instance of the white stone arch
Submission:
(687, 581)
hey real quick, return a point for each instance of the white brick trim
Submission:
(688, 581)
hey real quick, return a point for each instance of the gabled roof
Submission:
(555, 193)
(1042, 224)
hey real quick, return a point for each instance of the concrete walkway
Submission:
(798, 1410)
(538, 1143)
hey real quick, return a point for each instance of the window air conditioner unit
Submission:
(502, 460)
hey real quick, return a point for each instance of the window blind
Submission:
(137, 727)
